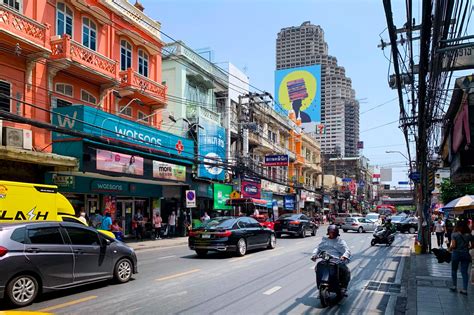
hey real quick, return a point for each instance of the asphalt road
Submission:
(280, 281)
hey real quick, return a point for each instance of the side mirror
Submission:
(108, 242)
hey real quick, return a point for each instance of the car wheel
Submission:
(272, 242)
(123, 270)
(241, 247)
(303, 233)
(313, 232)
(345, 231)
(360, 230)
(412, 230)
(22, 290)
(201, 252)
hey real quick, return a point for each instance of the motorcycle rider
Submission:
(337, 247)
(389, 227)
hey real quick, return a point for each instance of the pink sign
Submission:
(119, 163)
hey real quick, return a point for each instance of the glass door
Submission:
(124, 215)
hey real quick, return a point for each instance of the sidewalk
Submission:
(153, 244)
(428, 284)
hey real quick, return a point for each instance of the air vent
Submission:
(13, 137)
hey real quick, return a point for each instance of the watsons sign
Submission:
(99, 123)
(106, 186)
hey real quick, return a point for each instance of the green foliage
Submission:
(450, 191)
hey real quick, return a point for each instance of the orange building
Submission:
(101, 53)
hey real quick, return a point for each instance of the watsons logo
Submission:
(127, 133)
(251, 189)
(107, 186)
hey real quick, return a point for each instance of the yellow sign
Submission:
(234, 195)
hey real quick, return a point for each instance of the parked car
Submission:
(359, 224)
(230, 234)
(58, 255)
(341, 218)
(373, 217)
(295, 224)
(409, 225)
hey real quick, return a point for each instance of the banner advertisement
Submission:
(169, 171)
(276, 160)
(268, 196)
(119, 163)
(211, 150)
(251, 188)
(289, 202)
(221, 195)
(299, 89)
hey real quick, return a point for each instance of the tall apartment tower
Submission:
(304, 45)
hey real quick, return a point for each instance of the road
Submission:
(280, 281)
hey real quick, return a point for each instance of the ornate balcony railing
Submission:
(16, 23)
(130, 78)
(65, 48)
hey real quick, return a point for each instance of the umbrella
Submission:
(460, 204)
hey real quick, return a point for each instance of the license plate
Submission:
(284, 230)
(206, 236)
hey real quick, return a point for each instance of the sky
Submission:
(244, 32)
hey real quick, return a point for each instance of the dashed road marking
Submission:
(272, 290)
(62, 305)
(166, 257)
(178, 275)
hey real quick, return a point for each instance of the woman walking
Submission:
(461, 242)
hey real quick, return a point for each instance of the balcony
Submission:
(15, 28)
(81, 61)
(149, 91)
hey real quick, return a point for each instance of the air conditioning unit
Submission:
(13, 137)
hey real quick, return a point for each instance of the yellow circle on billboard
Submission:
(299, 84)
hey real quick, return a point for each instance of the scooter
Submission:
(380, 237)
(327, 279)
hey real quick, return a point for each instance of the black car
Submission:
(295, 224)
(409, 225)
(46, 256)
(230, 234)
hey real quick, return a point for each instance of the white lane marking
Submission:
(239, 259)
(272, 290)
(165, 257)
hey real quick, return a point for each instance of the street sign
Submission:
(361, 183)
(403, 183)
(190, 199)
(276, 160)
(347, 180)
(234, 195)
(415, 176)
(459, 59)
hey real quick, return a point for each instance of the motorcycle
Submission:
(327, 279)
(380, 237)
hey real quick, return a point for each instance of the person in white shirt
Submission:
(440, 229)
(82, 218)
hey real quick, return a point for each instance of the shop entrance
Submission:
(125, 211)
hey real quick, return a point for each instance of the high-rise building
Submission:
(304, 45)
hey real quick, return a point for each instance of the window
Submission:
(142, 63)
(46, 235)
(125, 111)
(63, 19)
(72, 220)
(62, 103)
(65, 89)
(143, 117)
(88, 97)
(89, 33)
(5, 101)
(14, 4)
(19, 235)
(80, 236)
(125, 55)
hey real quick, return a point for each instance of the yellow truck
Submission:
(35, 202)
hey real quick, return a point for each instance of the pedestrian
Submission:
(157, 220)
(139, 225)
(205, 217)
(171, 224)
(256, 212)
(440, 230)
(117, 230)
(462, 241)
(106, 222)
(82, 217)
(449, 230)
(97, 220)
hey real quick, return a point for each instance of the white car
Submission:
(359, 224)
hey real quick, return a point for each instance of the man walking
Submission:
(440, 229)
(172, 224)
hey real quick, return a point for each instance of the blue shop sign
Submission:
(99, 123)
(211, 150)
(268, 196)
(289, 202)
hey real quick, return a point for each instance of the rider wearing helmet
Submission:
(389, 227)
(337, 247)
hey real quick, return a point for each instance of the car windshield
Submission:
(372, 216)
(219, 223)
(289, 216)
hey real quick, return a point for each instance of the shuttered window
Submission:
(5, 93)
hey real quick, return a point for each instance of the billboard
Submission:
(169, 171)
(221, 195)
(119, 163)
(299, 89)
(212, 146)
(276, 160)
(251, 187)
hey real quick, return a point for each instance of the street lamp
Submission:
(399, 153)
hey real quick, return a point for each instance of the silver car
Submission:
(359, 224)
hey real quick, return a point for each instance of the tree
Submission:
(450, 191)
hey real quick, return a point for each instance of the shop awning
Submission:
(246, 201)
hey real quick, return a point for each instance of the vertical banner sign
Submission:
(190, 199)
(299, 90)
(289, 202)
(251, 187)
(221, 195)
(211, 150)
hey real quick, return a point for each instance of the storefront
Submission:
(139, 169)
